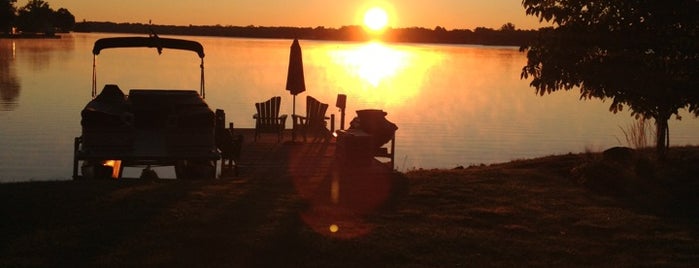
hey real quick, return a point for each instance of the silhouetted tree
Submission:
(641, 54)
(7, 14)
(508, 27)
(483, 30)
(35, 16)
(63, 20)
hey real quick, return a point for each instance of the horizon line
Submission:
(309, 27)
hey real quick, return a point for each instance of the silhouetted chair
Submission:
(267, 118)
(314, 122)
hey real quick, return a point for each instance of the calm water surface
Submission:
(454, 105)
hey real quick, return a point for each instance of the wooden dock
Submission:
(268, 155)
(294, 157)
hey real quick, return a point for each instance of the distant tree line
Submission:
(34, 17)
(507, 35)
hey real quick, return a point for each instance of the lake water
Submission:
(454, 104)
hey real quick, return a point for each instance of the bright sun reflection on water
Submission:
(381, 73)
(374, 62)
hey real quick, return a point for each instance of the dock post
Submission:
(342, 104)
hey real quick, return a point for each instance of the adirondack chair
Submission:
(267, 118)
(314, 122)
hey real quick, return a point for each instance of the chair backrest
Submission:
(268, 111)
(315, 111)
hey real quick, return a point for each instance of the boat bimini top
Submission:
(153, 41)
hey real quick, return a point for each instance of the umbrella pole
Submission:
(293, 119)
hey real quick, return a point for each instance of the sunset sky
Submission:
(451, 14)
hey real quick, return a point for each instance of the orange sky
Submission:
(451, 14)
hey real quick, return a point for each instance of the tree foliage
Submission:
(7, 14)
(63, 19)
(35, 16)
(642, 54)
(508, 27)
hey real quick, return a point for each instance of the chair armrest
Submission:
(255, 116)
(282, 119)
(298, 119)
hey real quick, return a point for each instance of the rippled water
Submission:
(454, 104)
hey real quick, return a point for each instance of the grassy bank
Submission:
(571, 210)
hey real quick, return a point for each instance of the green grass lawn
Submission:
(569, 210)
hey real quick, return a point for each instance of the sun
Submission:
(376, 19)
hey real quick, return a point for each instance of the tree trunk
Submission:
(662, 136)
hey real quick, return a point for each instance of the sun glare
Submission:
(376, 19)
(374, 62)
(378, 73)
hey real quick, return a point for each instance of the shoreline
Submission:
(30, 36)
(648, 152)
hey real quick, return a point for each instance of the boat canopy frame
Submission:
(152, 41)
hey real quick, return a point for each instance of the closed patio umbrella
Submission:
(295, 82)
